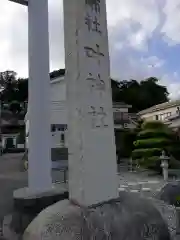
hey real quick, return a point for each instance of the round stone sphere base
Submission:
(128, 217)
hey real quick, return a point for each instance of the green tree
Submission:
(15, 107)
(8, 83)
(153, 138)
(140, 95)
(13, 92)
(22, 87)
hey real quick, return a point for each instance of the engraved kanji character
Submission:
(91, 53)
(93, 25)
(103, 115)
(100, 83)
(88, 22)
(93, 113)
(94, 4)
(96, 25)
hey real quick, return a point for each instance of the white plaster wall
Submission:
(152, 116)
(58, 112)
(58, 109)
(58, 101)
(58, 89)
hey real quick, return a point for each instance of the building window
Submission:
(156, 117)
(125, 116)
(53, 128)
(161, 117)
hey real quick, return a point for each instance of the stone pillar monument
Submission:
(39, 172)
(92, 153)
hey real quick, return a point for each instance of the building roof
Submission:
(160, 107)
(57, 73)
(121, 105)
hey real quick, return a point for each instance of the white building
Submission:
(59, 113)
(10, 128)
(168, 112)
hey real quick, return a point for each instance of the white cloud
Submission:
(172, 81)
(13, 25)
(131, 24)
(136, 19)
(171, 27)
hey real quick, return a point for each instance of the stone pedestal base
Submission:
(27, 205)
(128, 217)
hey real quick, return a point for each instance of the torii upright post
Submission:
(39, 172)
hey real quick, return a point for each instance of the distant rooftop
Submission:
(22, 2)
(160, 107)
(57, 73)
(121, 105)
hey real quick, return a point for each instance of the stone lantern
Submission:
(164, 165)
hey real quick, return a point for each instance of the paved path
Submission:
(140, 183)
(12, 178)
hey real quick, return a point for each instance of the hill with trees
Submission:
(141, 95)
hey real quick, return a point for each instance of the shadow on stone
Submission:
(170, 193)
(26, 208)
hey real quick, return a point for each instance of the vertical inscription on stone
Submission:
(94, 53)
(96, 83)
(92, 23)
(98, 117)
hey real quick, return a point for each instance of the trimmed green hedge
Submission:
(151, 140)
(152, 143)
(146, 152)
(153, 163)
(154, 125)
(151, 133)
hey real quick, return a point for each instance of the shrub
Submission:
(153, 138)
(146, 152)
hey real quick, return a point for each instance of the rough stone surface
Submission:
(129, 217)
(169, 215)
(170, 192)
(89, 101)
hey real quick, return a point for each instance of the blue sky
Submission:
(144, 39)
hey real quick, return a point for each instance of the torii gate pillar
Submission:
(39, 156)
